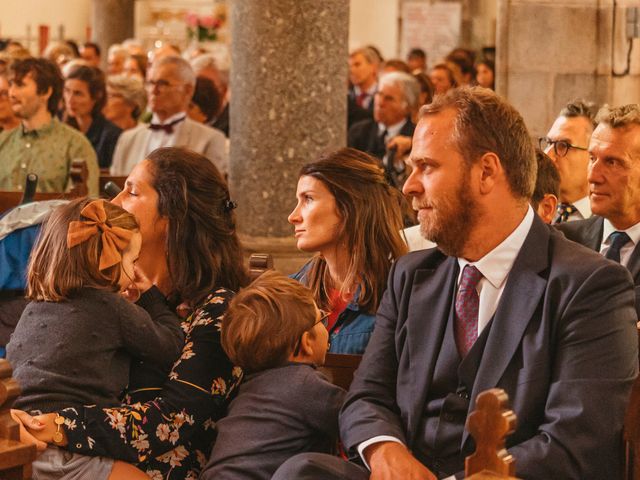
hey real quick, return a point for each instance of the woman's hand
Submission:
(26, 421)
(141, 283)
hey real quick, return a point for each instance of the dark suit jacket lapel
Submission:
(593, 233)
(517, 305)
(427, 316)
(634, 264)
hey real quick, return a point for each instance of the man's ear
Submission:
(47, 94)
(306, 345)
(547, 207)
(490, 171)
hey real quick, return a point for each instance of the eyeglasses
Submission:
(159, 84)
(324, 319)
(560, 147)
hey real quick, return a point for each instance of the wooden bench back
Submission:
(15, 457)
(339, 368)
(78, 174)
(106, 178)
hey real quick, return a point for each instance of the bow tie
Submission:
(167, 127)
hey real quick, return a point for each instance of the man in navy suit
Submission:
(614, 191)
(505, 301)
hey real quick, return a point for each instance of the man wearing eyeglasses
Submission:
(614, 191)
(566, 144)
(170, 85)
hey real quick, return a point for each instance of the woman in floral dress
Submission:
(191, 252)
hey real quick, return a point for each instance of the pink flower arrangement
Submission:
(202, 27)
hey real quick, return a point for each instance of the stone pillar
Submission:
(288, 103)
(549, 53)
(111, 22)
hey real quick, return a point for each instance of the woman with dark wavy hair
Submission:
(85, 95)
(350, 216)
(191, 252)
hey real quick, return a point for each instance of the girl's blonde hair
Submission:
(56, 271)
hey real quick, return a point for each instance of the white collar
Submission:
(371, 91)
(496, 265)
(583, 206)
(608, 229)
(392, 130)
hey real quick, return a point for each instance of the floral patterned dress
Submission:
(169, 436)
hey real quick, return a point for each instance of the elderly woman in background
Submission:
(84, 96)
(136, 66)
(126, 101)
(350, 216)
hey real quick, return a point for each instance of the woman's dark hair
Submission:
(96, 84)
(371, 215)
(206, 97)
(203, 250)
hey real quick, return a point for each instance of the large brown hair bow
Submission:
(114, 239)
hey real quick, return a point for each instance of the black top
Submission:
(103, 136)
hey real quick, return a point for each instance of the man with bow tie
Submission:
(614, 191)
(170, 85)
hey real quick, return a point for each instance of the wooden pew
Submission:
(339, 368)
(78, 174)
(15, 457)
(106, 178)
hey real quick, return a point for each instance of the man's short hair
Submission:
(618, 117)
(487, 123)
(417, 53)
(407, 83)
(46, 74)
(580, 108)
(94, 46)
(547, 179)
(265, 321)
(185, 72)
(368, 53)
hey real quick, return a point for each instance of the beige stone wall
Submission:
(550, 52)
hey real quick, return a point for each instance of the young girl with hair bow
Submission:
(76, 339)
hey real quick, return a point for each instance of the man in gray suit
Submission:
(170, 86)
(614, 191)
(505, 301)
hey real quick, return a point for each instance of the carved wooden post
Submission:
(489, 424)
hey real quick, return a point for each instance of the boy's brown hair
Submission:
(57, 271)
(264, 322)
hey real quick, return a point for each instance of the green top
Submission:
(47, 152)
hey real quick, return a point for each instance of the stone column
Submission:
(288, 103)
(112, 22)
(549, 53)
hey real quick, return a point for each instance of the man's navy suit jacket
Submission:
(588, 232)
(562, 344)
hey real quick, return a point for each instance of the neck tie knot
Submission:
(564, 211)
(467, 306)
(617, 240)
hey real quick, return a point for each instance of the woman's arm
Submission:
(198, 388)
